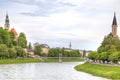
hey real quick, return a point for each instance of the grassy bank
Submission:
(31, 60)
(14, 61)
(111, 72)
(63, 60)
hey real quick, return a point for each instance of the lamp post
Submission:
(60, 57)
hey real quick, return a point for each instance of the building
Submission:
(7, 27)
(15, 34)
(114, 26)
(44, 47)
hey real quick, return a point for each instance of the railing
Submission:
(60, 59)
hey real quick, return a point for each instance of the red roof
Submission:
(14, 31)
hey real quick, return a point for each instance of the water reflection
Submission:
(44, 71)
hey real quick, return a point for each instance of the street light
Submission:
(60, 57)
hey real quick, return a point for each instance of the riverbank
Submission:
(32, 60)
(17, 61)
(63, 60)
(110, 72)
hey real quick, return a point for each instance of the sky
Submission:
(84, 23)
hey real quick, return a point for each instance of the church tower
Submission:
(114, 26)
(70, 46)
(7, 25)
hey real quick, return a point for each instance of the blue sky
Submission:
(84, 23)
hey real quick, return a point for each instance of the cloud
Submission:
(45, 7)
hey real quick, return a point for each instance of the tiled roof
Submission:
(14, 31)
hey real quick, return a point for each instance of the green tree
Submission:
(93, 55)
(12, 52)
(3, 51)
(103, 56)
(37, 50)
(112, 48)
(115, 57)
(54, 52)
(109, 41)
(75, 53)
(20, 52)
(22, 41)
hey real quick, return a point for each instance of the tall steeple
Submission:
(70, 45)
(114, 26)
(7, 25)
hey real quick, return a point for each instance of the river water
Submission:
(44, 71)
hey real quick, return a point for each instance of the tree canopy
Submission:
(22, 41)
(109, 49)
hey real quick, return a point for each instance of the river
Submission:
(44, 71)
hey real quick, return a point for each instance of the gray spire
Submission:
(7, 20)
(70, 45)
(114, 19)
(7, 25)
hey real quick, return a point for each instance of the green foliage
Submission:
(55, 53)
(115, 57)
(12, 53)
(109, 49)
(112, 48)
(38, 50)
(103, 56)
(8, 46)
(111, 72)
(4, 37)
(108, 43)
(20, 51)
(93, 55)
(3, 51)
(7, 38)
(22, 41)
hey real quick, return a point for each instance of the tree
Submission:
(75, 53)
(20, 52)
(93, 55)
(22, 41)
(3, 51)
(12, 52)
(115, 57)
(54, 52)
(38, 50)
(4, 37)
(103, 56)
(112, 48)
(109, 41)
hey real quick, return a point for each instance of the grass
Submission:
(14, 61)
(110, 72)
(31, 60)
(63, 60)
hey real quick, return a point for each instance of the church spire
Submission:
(114, 20)
(7, 25)
(70, 45)
(114, 26)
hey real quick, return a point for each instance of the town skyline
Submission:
(80, 22)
